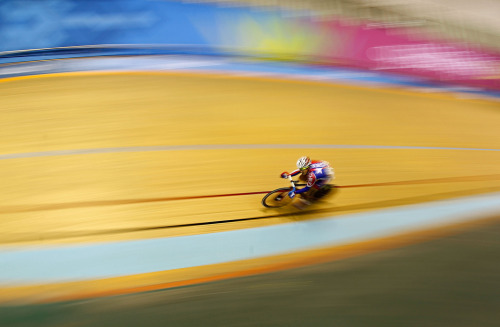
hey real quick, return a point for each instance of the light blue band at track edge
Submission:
(27, 265)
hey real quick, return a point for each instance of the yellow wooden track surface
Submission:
(120, 195)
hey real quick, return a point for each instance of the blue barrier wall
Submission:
(36, 24)
(47, 29)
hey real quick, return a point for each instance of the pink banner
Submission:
(395, 50)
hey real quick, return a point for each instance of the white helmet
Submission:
(303, 162)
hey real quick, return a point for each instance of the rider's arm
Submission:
(293, 173)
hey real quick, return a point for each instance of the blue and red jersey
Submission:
(318, 175)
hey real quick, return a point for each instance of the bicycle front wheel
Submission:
(277, 198)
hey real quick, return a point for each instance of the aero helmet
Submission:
(303, 162)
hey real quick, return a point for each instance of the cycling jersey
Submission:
(319, 174)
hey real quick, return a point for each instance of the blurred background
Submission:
(451, 41)
(436, 45)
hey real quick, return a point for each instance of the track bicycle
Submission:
(279, 197)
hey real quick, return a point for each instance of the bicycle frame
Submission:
(279, 200)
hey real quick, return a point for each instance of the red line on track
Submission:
(72, 205)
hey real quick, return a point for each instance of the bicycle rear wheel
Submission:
(277, 198)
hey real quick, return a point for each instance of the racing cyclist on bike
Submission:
(317, 173)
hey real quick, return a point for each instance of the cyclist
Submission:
(317, 173)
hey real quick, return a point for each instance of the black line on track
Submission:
(297, 213)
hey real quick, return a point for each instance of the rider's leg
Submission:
(323, 191)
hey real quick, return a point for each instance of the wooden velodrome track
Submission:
(113, 184)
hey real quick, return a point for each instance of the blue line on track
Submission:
(224, 147)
